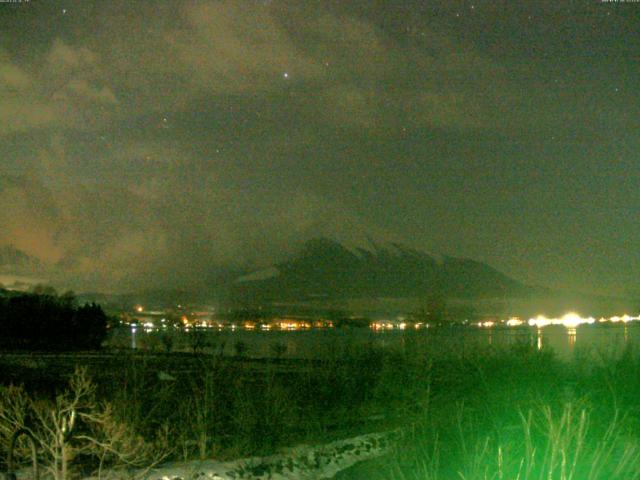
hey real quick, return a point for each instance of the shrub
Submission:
(73, 430)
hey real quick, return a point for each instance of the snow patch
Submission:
(263, 274)
(303, 462)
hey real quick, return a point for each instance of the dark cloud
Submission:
(146, 143)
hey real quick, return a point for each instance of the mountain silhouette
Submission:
(324, 268)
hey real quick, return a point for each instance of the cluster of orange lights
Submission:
(385, 325)
(273, 324)
(570, 320)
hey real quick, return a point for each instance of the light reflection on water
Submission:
(539, 335)
(609, 339)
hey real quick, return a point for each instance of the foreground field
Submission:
(516, 413)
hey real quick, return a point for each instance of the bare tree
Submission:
(73, 424)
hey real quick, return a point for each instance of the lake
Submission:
(597, 339)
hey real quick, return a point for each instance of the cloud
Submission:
(227, 48)
(342, 67)
(154, 223)
(76, 76)
(63, 59)
(64, 89)
(29, 218)
(21, 107)
(110, 239)
(13, 78)
(89, 236)
(82, 90)
(232, 47)
(147, 206)
(249, 163)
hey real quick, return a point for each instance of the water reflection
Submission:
(539, 339)
(571, 335)
(601, 338)
(626, 333)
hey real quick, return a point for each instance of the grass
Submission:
(525, 415)
(552, 442)
(514, 413)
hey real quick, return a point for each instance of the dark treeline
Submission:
(47, 321)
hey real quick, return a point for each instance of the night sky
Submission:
(144, 144)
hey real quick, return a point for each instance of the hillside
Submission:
(325, 269)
